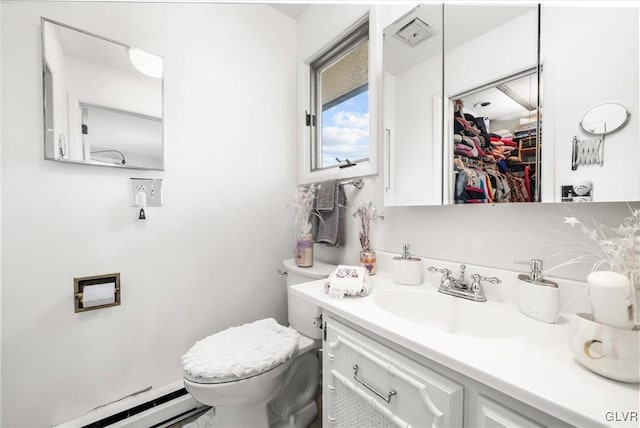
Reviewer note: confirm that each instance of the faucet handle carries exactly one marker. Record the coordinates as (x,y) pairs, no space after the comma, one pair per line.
(492,279)
(445,281)
(444,271)
(477,279)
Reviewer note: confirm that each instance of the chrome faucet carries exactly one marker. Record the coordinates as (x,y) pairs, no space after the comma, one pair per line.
(462,280)
(459,288)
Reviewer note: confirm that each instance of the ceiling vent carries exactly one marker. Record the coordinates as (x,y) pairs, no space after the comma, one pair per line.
(415,32)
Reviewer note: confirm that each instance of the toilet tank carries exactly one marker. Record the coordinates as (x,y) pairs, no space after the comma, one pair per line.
(305,316)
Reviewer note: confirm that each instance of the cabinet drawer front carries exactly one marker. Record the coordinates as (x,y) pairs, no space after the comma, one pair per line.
(492,414)
(396,390)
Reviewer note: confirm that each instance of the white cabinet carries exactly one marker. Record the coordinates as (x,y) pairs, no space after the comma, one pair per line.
(491,414)
(367,384)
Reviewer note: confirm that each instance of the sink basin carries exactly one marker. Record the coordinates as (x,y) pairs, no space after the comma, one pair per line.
(447,313)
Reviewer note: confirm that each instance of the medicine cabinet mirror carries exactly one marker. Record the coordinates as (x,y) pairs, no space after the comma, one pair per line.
(103,100)
(491,110)
(412,108)
(494,109)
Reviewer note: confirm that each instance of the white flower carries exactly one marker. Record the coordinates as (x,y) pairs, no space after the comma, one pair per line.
(367,212)
(303,203)
(619,247)
(572,221)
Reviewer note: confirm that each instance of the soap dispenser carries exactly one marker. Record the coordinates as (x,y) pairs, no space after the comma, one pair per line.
(538,298)
(407,270)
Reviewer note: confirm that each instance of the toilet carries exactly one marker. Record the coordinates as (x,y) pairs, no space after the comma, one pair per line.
(262,374)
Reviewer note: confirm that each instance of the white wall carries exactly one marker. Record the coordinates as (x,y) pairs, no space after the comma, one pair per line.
(416,171)
(321,24)
(203,262)
(1,185)
(583,68)
(496,54)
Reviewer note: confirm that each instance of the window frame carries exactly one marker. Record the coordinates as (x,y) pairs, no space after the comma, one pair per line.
(356,38)
(308,151)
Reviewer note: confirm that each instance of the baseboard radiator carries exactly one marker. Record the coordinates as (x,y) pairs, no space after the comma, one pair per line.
(155,408)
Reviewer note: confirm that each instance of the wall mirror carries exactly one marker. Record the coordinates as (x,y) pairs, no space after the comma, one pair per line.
(103,100)
(605,119)
(491,106)
(412,108)
(510,72)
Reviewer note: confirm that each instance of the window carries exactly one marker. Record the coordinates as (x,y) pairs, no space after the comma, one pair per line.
(339,111)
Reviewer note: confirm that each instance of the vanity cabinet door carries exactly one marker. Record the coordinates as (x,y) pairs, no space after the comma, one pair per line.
(491,414)
(369,385)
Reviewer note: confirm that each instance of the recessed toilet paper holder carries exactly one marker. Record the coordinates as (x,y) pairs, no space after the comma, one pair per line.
(105,281)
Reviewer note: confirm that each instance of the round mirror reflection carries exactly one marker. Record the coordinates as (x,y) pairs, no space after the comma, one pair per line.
(605,119)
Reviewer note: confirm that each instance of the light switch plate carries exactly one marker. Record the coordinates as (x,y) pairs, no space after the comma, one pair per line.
(151,186)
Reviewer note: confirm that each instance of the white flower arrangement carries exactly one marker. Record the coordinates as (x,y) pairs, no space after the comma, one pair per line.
(367,212)
(616,249)
(303,203)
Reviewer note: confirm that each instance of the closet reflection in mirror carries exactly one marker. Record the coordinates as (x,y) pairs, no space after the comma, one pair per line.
(102,100)
(495,142)
(491,89)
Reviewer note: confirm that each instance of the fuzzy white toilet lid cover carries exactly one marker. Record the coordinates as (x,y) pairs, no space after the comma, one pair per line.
(240,352)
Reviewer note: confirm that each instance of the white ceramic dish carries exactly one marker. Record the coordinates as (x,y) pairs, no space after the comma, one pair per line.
(611,352)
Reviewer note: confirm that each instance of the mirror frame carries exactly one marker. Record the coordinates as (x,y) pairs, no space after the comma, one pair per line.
(44,20)
(622,125)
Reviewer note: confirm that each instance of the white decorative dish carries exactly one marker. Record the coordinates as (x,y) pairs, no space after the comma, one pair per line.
(608,351)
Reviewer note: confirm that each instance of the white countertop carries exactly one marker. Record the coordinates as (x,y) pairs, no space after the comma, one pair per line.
(535,366)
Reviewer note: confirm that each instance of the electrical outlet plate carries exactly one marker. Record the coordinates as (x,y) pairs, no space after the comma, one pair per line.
(151,186)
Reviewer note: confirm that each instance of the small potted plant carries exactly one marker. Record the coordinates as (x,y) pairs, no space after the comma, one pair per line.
(367,213)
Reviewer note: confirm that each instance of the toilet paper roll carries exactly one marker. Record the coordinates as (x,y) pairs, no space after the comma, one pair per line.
(99,294)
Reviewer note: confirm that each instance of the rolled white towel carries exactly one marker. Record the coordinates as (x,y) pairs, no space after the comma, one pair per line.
(348,281)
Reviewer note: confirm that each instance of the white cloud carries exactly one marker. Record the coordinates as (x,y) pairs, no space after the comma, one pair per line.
(335,136)
(352,143)
(352,119)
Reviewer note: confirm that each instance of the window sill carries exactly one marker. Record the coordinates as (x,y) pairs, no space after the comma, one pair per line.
(361,169)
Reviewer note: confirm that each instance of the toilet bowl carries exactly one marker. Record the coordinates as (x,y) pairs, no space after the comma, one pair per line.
(262,374)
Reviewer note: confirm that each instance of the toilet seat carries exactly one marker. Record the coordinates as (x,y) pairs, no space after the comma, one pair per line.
(240,352)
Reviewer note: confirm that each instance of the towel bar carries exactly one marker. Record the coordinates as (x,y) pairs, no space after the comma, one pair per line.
(357,183)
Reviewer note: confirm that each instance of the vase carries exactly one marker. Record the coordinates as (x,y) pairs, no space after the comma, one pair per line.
(368,260)
(304,250)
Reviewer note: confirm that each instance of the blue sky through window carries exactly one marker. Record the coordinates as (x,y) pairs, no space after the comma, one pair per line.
(345,130)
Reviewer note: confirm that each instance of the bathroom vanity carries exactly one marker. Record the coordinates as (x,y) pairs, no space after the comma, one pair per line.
(410,356)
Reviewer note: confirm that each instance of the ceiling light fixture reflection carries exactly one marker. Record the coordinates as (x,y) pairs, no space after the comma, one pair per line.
(482,104)
(146,63)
